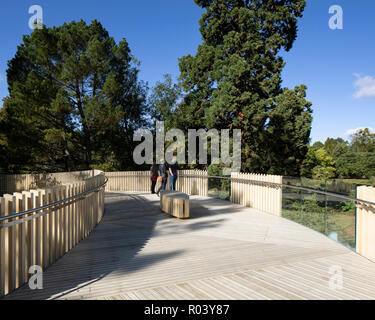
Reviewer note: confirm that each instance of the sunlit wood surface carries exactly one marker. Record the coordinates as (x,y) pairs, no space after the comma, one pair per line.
(224,251)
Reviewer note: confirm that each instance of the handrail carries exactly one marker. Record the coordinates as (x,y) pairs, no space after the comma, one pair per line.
(56,203)
(332,194)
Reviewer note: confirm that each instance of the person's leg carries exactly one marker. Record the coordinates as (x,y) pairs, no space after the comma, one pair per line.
(157,192)
(153,184)
(174,182)
(164,183)
(170,182)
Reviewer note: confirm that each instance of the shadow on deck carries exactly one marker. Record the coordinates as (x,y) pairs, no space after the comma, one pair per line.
(224,251)
(127,226)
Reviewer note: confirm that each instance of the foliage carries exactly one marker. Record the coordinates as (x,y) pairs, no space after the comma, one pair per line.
(3,142)
(234,81)
(356,164)
(351,160)
(220,184)
(363,141)
(340,149)
(318,164)
(347,206)
(75,99)
(318,145)
(164,99)
(334,147)
(323,173)
(338,217)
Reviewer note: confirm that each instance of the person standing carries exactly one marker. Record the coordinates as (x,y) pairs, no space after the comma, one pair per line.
(154,176)
(163,172)
(173,174)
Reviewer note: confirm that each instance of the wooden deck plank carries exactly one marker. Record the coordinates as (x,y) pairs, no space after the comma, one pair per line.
(224,251)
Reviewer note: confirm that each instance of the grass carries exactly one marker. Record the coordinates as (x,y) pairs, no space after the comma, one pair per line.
(365,182)
(338,217)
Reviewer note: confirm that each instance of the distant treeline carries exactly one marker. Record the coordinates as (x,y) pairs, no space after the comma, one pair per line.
(75,98)
(340,158)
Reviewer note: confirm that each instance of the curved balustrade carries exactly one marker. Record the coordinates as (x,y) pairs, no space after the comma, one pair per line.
(39,226)
(193,182)
(22,182)
(344,218)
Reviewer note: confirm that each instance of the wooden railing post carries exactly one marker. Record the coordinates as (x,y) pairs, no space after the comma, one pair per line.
(44,223)
(30,234)
(365,222)
(52,226)
(43,239)
(4,256)
(11,252)
(69,217)
(19,243)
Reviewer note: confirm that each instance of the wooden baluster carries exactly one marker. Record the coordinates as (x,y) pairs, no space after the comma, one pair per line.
(36,232)
(12,236)
(20,239)
(4,252)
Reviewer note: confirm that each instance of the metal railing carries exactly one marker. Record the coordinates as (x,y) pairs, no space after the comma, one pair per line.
(266,183)
(56,219)
(53,204)
(343,217)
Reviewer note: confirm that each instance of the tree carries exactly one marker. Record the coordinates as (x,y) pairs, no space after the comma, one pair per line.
(340,149)
(74,99)
(318,145)
(330,144)
(363,141)
(3,142)
(318,164)
(309,163)
(234,81)
(164,99)
(326,163)
(356,165)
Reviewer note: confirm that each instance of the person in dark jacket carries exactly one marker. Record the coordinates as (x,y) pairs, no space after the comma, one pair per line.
(154,176)
(163,172)
(173,175)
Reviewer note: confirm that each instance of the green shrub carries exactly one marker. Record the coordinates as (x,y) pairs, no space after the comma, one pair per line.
(347,206)
(356,164)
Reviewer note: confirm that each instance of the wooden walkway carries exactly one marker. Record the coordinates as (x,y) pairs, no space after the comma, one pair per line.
(224,251)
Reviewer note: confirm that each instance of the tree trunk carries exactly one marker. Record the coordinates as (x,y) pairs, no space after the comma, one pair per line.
(86,132)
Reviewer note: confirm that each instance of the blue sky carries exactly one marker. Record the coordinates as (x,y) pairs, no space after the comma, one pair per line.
(336,65)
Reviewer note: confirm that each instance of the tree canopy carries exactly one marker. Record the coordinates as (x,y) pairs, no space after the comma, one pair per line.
(234,82)
(363,140)
(338,157)
(74,100)
(356,164)
(318,164)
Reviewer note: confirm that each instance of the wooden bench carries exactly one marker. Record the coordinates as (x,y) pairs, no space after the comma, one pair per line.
(175,203)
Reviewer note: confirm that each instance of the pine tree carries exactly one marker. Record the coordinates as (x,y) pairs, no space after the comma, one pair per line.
(75,99)
(234,81)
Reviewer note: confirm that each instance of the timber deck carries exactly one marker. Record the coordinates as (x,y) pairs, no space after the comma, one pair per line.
(224,251)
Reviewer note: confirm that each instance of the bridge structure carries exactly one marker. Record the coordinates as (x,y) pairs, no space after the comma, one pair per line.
(125,247)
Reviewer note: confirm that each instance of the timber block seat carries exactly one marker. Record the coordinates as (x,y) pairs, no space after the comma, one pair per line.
(175,203)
